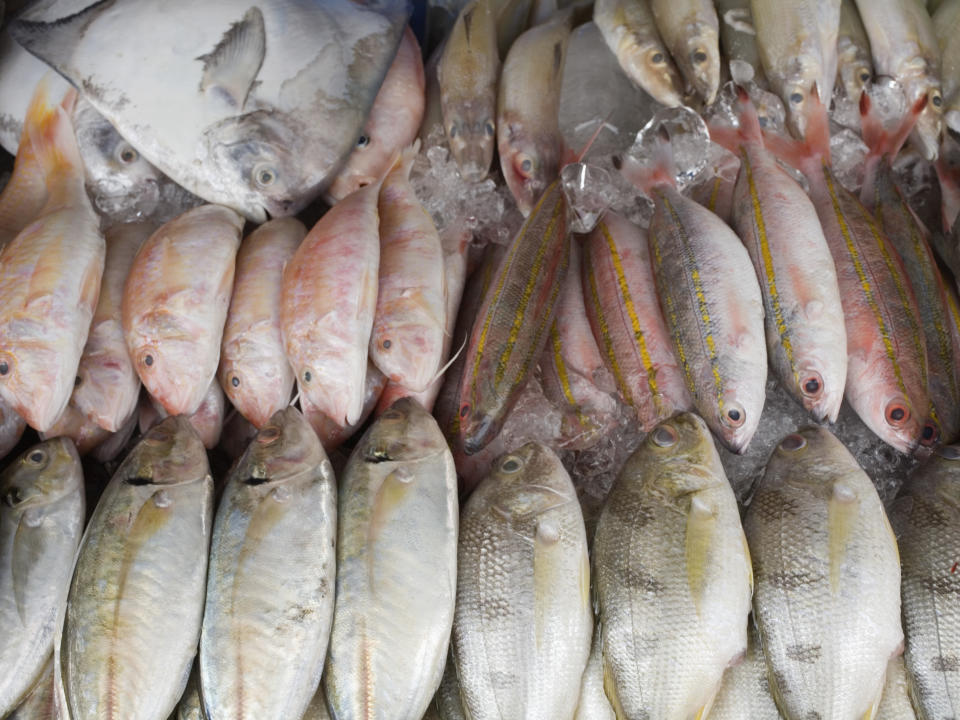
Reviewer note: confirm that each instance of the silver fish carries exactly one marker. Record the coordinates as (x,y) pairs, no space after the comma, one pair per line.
(745,692)
(895,703)
(691,30)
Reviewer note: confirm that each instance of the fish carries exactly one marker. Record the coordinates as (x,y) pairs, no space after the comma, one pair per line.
(406,341)
(672,576)
(738,41)
(254,371)
(396,569)
(513,322)
(513,18)
(624,313)
(333,434)
(11,428)
(854,61)
(895,704)
(173,316)
(904,47)
(467,72)
(239,110)
(392,124)
(107,385)
(81,430)
(711,303)
(593,703)
(206,420)
(523,623)
(431,131)
(49,276)
(528,132)
(329,295)
(137,594)
(691,31)
(803,315)
(40,704)
(271,577)
(745,691)
(108,450)
(926,516)
(827,579)
(41,521)
(629,30)
(886,353)
(946,28)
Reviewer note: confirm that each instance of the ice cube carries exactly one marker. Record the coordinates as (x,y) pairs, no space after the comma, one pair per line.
(689,142)
(589,192)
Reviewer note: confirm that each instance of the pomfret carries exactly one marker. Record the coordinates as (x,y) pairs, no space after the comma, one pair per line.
(827,598)
(523,622)
(41,521)
(40,704)
(396,569)
(255,109)
(270,584)
(173,315)
(254,371)
(136,599)
(691,30)
(672,576)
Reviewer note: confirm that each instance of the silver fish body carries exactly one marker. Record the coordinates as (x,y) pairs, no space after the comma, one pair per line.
(745,691)
(896,703)
(593,703)
(691,30)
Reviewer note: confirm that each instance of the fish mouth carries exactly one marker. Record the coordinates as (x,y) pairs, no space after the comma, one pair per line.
(481,432)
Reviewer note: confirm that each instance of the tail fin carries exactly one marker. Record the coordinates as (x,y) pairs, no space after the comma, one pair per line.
(660,170)
(48,125)
(880,140)
(749,130)
(816,145)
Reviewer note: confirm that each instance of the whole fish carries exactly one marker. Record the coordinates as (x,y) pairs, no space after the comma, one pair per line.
(136,599)
(691,30)
(512,325)
(41,520)
(927,518)
(827,579)
(409,323)
(672,576)
(711,304)
(946,27)
(333,434)
(745,691)
(328,302)
(738,41)
(11,428)
(854,62)
(467,73)
(270,583)
(803,316)
(624,313)
(40,704)
(255,109)
(904,47)
(528,130)
(49,276)
(630,32)
(392,123)
(173,315)
(206,420)
(521,635)
(254,371)
(396,569)
(593,703)
(107,385)
(895,704)
(886,353)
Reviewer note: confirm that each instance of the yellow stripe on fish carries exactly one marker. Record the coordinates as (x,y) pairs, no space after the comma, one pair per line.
(562,376)
(604,329)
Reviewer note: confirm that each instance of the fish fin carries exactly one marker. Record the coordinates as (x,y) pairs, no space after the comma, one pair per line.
(54,41)
(798,153)
(230,69)
(405,159)
(54,143)
(880,140)
(660,170)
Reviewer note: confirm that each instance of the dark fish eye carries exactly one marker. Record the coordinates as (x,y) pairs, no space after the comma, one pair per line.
(936,99)
(864,76)
(664,436)
(4,368)
(386,344)
(930,434)
(452,132)
(264,176)
(489,129)
(37,457)
(699,57)
(307,376)
(657,58)
(464,411)
(526,165)
(235,381)
(812,385)
(363,141)
(128,155)
(897,413)
(77,380)
(148,360)
(511,464)
(734,415)
(793,442)
(796,98)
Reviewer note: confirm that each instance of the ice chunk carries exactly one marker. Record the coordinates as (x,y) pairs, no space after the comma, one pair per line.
(847,153)
(589,192)
(689,142)
(888,102)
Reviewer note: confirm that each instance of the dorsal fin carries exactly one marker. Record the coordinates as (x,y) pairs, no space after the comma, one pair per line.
(230,69)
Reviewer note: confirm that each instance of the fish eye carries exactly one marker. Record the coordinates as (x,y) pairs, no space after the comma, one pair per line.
(264,175)
(307,376)
(699,57)
(897,413)
(392,414)
(452,130)
(657,58)
(77,381)
(363,141)
(235,381)
(664,436)
(511,464)
(796,98)
(733,415)
(489,129)
(930,434)
(812,385)
(936,99)
(386,344)
(464,411)
(268,435)
(793,442)
(525,166)
(864,76)
(147,359)
(127,154)
(37,457)
(4,368)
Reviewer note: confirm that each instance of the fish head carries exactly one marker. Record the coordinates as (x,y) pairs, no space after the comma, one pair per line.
(481,415)
(35,383)
(854,77)
(805,458)
(820,394)
(470,124)
(366,164)
(682,441)
(944,467)
(285,447)
(530,161)
(895,419)
(171,372)
(405,431)
(736,418)
(700,62)
(83,431)
(42,475)
(260,164)
(255,383)
(407,352)
(528,482)
(929,128)
(653,63)
(103,389)
(169,453)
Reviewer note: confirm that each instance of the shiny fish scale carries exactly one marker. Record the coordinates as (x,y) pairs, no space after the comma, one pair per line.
(927,519)
(896,703)
(745,691)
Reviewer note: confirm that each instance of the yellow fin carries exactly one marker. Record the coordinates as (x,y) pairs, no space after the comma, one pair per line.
(701,528)
(842,513)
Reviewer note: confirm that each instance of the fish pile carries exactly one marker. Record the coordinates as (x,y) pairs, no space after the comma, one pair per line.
(578,356)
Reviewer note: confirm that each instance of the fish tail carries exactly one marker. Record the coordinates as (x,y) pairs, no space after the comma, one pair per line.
(816,144)
(659,170)
(880,140)
(54,143)
(407,157)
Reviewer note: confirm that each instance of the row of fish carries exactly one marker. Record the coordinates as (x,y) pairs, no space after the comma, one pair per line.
(382,568)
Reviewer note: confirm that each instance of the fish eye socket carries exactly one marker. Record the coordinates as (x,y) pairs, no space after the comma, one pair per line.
(936,99)
(268,435)
(148,360)
(930,434)
(127,154)
(733,415)
(264,175)
(664,436)
(452,130)
(307,376)
(489,129)
(464,411)
(796,98)
(812,385)
(897,414)
(793,442)
(363,141)
(392,414)
(699,57)
(511,464)
(864,76)
(657,58)
(37,457)
(387,344)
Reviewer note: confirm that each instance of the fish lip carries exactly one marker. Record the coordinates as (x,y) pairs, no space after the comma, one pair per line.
(481,434)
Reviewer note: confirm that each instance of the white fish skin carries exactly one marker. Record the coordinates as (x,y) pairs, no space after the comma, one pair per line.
(593,703)
(271,577)
(523,623)
(895,703)
(255,109)
(854,62)
(41,520)
(40,704)
(946,26)
(136,599)
(396,569)
(745,692)
(691,30)
(827,600)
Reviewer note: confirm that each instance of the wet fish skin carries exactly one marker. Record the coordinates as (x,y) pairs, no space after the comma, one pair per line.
(394,599)
(81,430)
(333,434)
(745,691)
(691,30)
(269,602)
(206,420)
(512,325)
(895,704)
(467,72)
(173,316)
(523,622)
(254,371)
(136,598)
(593,703)
(946,27)
(393,121)
(824,556)
(40,704)
(672,576)
(854,62)
(11,428)
(630,32)
(528,103)
(926,516)
(738,42)
(41,520)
